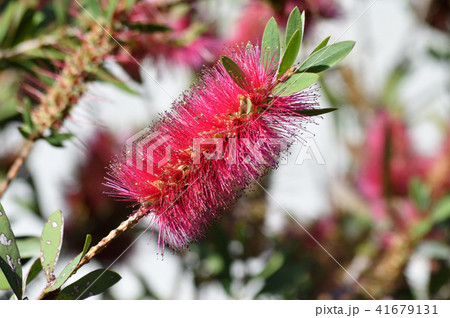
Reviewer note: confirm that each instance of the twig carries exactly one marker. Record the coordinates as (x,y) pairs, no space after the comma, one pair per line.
(27,46)
(94,250)
(14,169)
(125,225)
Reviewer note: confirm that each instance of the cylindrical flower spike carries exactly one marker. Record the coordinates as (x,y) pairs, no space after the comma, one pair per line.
(226,132)
(217,139)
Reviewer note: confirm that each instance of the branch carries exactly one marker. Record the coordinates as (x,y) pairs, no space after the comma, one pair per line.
(15,167)
(125,225)
(94,250)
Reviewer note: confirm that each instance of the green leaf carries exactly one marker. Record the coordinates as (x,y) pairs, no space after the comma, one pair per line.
(420,193)
(14,28)
(28,126)
(61,8)
(94,8)
(28,246)
(439,54)
(326,57)
(270,45)
(296,83)
(422,228)
(4,285)
(236,74)
(441,212)
(294,23)
(273,264)
(315,112)
(104,75)
(56,139)
(68,270)
(51,241)
(10,262)
(321,45)
(391,90)
(5,20)
(49,53)
(35,269)
(92,284)
(148,27)
(290,54)
(110,10)
(129,4)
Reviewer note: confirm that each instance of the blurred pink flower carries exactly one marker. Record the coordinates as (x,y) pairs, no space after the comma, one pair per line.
(256,13)
(251,23)
(389,165)
(191,41)
(390,162)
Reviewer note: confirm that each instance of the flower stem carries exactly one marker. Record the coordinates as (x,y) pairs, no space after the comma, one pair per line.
(125,225)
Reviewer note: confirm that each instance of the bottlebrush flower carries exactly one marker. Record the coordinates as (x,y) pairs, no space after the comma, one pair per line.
(227,131)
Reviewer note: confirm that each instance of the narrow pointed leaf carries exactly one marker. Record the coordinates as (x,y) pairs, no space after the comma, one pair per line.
(92,284)
(10,262)
(420,193)
(273,265)
(35,269)
(441,212)
(57,139)
(270,45)
(294,23)
(94,8)
(296,83)
(129,4)
(315,112)
(148,27)
(104,75)
(326,57)
(51,241)
(4,285)
(5,20)
(290,54)
(302,30)
(111,9)
(321,45)
(234,71)
(60,7)
(68,270)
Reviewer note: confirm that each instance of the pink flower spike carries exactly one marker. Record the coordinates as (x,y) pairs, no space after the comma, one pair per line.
(217,139)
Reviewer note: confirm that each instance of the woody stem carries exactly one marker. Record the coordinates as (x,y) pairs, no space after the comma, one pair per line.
(15,167)
(100,246)
(125,225)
